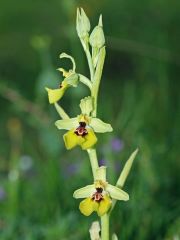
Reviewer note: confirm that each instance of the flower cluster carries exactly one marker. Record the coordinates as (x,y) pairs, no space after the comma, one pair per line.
(81,130)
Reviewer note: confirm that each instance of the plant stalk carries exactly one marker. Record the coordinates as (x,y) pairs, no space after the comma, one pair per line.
(105,227)
(89,58)
(93,160)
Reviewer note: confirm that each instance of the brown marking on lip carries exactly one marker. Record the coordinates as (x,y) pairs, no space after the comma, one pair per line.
(81,130)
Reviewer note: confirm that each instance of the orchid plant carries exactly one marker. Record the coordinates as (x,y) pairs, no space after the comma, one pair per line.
(100,196)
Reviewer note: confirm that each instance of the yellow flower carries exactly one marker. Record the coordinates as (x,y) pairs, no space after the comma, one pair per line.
(98,196)
(81,135)
(81,130)
(55,95)
(70,80)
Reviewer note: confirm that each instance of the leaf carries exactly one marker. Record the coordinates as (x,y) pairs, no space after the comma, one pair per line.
(126,169)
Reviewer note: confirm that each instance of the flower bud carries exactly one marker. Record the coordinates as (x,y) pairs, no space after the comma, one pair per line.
(97,39)
(82,23)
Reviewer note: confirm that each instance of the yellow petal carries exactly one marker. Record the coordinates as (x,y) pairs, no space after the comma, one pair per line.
(70,139)
(55,95)
(64,72)
(87,206)
(80,140)
(104,205)
(90,140)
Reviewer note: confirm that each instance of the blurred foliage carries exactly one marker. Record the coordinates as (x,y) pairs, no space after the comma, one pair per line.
(139,96)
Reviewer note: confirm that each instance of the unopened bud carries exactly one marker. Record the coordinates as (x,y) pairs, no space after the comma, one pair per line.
(82,23)
(97,38)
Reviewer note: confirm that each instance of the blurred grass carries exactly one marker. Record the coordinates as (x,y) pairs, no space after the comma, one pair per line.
(139,96)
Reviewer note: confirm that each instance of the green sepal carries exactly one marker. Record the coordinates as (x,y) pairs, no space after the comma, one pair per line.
(84,192)
(99,126)
(65,55)
(117,193)
(86,105)
(101,174)
(67,124)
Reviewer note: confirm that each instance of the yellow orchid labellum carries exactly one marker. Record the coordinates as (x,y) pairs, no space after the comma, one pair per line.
(70,80)
(81,130)
(98,196)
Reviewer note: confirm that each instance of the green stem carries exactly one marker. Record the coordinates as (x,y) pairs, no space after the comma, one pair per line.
(89,58)
(90,63)
(105,227)
(97,79)
(93,160)
(85,81)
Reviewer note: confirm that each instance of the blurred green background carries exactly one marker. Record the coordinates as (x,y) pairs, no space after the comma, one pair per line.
(139,96)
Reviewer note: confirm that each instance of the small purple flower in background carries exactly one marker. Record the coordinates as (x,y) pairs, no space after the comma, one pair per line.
(2,194)
(72,169)
(102,162)
(117,144)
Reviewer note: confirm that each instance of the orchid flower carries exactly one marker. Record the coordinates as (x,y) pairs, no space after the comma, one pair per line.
(81,128)
(98,196)
(70,80)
